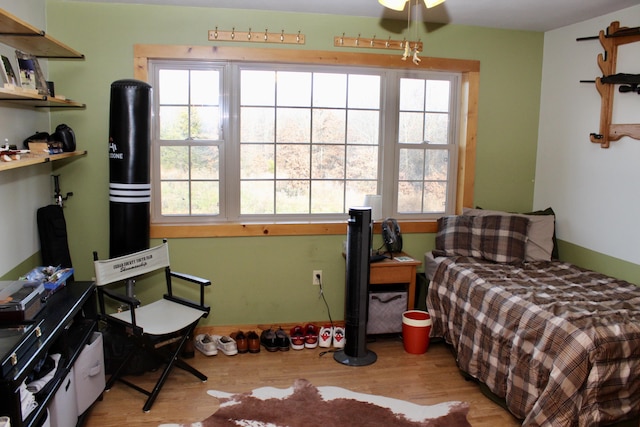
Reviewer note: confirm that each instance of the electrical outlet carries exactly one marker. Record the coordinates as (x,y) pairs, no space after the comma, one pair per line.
(317,277)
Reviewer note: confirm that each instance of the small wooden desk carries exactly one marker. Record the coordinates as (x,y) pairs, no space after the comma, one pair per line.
(392,271)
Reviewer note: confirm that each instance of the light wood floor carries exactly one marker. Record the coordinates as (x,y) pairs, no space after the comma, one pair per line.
(423,379)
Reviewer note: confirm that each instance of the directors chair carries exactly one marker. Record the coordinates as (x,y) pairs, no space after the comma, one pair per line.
(162,327)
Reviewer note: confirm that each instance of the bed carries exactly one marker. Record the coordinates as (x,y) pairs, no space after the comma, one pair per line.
(558,344)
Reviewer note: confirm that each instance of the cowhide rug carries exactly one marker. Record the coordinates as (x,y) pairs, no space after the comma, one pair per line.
(306,406)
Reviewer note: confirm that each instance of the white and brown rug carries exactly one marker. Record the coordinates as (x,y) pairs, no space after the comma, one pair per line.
(306,406)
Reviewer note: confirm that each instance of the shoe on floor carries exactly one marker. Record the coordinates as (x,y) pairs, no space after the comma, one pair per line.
(241,341)
(297,337)
(325,336)
(205,344)
(338,337)
(310,336)
(253,342)
(268,340)
(226,344)
(282,340)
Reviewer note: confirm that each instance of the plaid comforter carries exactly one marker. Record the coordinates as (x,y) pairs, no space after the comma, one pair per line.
(559,343)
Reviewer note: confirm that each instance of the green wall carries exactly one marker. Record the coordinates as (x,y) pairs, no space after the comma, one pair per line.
(267,280)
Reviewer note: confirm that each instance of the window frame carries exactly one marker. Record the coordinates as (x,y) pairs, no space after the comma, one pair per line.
(466,127)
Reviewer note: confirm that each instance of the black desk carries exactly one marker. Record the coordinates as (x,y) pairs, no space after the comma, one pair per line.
(63,326)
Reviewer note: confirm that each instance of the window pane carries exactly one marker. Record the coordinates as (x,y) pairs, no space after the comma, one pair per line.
(292,161)
(205,162)
(205,123)
(175,198)
(205,198)
(356,190)
(293,125)
(257,161)
(205,87)
(174,123)
(257,87)
(411,94)
(329,90)
(437,165)
(292,197)
(256,197)
(363,127)
(410,129)
(328,126)
(435,197)
(362,162)
(364,91)
(410,197)
(173,87)
(438,95)
(174,162)
(328,162)
(294,89)
(411,165)
(327,196)
(257,124)
(436,128)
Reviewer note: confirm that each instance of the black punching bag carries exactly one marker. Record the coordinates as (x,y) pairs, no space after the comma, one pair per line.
(129,170)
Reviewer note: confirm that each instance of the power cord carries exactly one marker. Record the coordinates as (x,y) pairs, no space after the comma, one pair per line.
(322,353)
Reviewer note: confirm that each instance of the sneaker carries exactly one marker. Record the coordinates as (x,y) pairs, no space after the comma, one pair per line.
(325,336)
(226,344)
(282,340)
(205,344)
(338,337)
(268,340)
(297,338)
(310,336)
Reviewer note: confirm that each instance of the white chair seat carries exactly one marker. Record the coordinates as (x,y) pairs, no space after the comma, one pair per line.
(161,317)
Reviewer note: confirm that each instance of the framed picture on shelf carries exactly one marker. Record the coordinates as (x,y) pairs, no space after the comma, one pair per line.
(31,76)
(8,75)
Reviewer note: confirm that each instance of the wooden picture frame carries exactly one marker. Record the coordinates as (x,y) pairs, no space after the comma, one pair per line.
(31,76)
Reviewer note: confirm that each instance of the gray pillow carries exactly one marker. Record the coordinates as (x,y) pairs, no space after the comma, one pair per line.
(539,245)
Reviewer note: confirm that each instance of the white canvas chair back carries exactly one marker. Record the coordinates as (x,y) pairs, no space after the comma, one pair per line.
(132,265)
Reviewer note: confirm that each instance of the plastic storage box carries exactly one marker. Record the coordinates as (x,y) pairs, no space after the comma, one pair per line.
(89,373)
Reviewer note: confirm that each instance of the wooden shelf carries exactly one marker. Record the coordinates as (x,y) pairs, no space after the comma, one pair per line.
(36,100)
(27,38)
(35,159)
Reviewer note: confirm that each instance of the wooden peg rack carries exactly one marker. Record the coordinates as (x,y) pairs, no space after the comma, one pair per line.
(610,41)
(256,36)
(374,43)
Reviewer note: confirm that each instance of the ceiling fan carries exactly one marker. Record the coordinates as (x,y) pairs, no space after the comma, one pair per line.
(399,4)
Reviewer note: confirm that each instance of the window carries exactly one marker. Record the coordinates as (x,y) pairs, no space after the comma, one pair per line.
(306,141)
(460,161)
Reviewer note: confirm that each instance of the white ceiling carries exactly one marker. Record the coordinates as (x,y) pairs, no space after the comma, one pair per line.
(533,15)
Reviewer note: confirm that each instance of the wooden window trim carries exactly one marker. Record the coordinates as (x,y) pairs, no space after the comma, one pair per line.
(470,70)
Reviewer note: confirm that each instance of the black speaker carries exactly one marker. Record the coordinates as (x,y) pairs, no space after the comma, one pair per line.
(355,352)
(129,167)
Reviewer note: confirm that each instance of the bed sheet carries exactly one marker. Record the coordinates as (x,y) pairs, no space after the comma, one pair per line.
(559,343)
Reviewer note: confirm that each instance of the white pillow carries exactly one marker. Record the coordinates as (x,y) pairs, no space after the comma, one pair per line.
(539,245)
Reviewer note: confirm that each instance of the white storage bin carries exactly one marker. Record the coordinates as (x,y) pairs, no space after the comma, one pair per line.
(89,373)
(63,410)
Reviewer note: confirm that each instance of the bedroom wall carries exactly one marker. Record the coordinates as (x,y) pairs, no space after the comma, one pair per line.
(267,279)
(22,191)
(592,190)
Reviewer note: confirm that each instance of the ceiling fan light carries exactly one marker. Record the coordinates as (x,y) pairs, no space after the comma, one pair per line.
(395,4)
(432,3)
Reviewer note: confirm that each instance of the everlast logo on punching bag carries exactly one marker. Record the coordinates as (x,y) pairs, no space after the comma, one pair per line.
(113,151)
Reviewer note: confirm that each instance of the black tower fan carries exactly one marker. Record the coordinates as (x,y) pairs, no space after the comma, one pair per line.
(355,351)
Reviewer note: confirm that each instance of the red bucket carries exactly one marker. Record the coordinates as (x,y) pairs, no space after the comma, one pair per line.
(416,327)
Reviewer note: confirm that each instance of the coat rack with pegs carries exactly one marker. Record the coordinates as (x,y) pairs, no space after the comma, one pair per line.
(256,36)
(375,43)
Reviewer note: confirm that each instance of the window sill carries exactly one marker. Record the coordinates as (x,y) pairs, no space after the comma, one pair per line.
(160,231)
